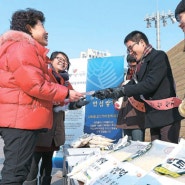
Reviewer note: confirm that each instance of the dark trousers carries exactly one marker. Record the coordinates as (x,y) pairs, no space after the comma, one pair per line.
(18,149)
(135,134)
(169,133)
(45,167)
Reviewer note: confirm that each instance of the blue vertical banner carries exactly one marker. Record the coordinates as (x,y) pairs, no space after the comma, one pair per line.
(100,115)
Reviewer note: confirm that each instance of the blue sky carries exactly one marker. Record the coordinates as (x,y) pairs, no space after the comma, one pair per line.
(76,25)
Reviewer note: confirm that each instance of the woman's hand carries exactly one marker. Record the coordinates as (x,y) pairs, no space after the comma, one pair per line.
(74,95)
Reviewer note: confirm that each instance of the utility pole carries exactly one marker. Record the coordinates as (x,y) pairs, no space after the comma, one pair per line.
(157,17)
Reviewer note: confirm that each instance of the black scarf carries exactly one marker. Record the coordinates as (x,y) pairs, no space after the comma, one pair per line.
(61,74)
(64,75)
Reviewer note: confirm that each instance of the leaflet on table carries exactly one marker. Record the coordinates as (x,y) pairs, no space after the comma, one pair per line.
(83,164)
(154,179)
(122,173)
(174,164)
(120,154)
(130,148)
(95,169)
(154,156)
(107,169)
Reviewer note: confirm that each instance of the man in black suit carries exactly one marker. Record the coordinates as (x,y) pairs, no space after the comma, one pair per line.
(154,82)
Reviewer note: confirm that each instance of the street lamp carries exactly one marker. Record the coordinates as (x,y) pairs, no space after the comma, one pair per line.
(157,18)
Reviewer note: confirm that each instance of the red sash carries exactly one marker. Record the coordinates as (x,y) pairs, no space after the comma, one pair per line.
(163,104)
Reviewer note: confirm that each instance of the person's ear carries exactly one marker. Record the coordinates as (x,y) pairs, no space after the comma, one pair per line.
(142,41)
(29,28)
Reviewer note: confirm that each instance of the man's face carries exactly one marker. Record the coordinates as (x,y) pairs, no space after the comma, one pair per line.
(181,19)
(136,49)
(132,65)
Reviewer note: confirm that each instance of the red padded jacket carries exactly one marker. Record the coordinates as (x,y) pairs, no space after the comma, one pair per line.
(27,92)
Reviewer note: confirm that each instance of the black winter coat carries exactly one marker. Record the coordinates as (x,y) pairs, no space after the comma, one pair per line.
(155,82)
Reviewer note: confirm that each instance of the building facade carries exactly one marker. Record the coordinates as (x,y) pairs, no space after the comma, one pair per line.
(92,53)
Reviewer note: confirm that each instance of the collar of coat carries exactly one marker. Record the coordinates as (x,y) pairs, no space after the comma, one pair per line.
(15,36)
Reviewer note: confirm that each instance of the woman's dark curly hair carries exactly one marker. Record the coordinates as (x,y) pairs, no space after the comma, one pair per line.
(54,55)
(21,18)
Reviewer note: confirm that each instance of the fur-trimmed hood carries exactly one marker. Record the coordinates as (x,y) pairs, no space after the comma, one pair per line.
(12,35)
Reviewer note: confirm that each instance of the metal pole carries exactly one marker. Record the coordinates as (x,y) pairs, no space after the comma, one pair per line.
(157,18)
(158,30)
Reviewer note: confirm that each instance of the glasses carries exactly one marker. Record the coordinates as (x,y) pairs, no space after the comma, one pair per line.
(130,48)
(60,59)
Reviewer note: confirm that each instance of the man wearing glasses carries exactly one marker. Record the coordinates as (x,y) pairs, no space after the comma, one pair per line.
(154,83)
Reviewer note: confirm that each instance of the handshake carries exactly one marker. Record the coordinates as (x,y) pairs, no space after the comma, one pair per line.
(113,93)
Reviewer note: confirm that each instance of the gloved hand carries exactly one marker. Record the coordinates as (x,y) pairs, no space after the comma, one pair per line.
(78,104)
(113,93)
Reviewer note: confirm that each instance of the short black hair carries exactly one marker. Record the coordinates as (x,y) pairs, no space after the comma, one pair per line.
(54,55)
(179,9)
(130,58)
(21,18)
(136,36)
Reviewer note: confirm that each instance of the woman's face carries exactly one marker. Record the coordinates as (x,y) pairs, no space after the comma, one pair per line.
(39,33)
(59,63)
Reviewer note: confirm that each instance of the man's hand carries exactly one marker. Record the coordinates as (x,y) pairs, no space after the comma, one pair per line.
(103,94)
(113,93)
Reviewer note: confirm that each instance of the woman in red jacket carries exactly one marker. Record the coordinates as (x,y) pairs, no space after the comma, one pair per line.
(51,141)
(27,92)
